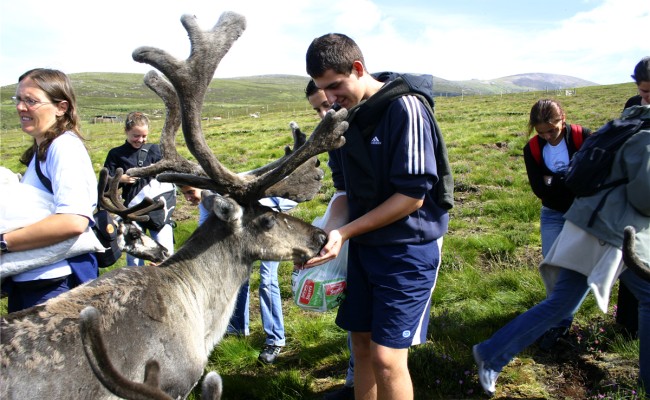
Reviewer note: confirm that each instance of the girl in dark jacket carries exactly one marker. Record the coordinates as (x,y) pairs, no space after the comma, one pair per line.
(547,157)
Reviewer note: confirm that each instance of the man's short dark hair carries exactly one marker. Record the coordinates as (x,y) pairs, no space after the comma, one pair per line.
(311,89)
(334,51)
(642,71)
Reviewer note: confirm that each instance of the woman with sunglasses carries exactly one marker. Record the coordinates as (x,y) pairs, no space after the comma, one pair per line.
(57,162)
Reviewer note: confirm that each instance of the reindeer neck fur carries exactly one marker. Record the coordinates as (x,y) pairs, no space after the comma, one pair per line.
(208,273)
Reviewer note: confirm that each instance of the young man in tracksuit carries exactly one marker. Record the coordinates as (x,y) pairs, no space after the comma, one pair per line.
(398,186)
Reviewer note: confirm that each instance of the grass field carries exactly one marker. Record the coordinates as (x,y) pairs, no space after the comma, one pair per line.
(489,261)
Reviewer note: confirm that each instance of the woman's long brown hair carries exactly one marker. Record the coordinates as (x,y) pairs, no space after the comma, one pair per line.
(58,88)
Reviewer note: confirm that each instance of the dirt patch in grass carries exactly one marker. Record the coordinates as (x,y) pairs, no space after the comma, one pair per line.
(568,372)
(184,210)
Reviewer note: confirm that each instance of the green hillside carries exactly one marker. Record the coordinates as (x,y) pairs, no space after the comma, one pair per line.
(116,94)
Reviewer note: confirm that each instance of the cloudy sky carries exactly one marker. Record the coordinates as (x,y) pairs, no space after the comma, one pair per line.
(596,40)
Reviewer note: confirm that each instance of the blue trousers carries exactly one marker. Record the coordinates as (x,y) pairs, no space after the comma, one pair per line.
(550,226)
(22,295)
(270,306)
(570,290)
(551,223)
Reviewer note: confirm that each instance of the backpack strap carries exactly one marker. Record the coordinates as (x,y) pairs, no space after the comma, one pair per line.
(535,150)
(142,153)
(576,135)
(44,179)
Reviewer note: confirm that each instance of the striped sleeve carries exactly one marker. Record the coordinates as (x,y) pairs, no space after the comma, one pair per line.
(415,135)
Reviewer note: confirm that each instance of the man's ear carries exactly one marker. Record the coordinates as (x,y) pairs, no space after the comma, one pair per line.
(359,68)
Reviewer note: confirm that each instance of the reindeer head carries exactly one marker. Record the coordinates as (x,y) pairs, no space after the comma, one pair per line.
(134,241)
(269,235)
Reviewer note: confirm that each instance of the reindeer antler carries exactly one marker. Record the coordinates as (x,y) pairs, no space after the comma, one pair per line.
(110,201)
(171,160)
(630,258)
(189,80)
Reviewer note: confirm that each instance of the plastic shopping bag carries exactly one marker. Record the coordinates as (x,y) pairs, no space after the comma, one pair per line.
(321,288)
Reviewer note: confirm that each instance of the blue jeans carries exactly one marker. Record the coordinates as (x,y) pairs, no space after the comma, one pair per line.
(567,296)
(238,324)
(270,306)
(551,223)
(550,226)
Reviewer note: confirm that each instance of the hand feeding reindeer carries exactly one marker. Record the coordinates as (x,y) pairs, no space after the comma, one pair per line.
(175,313)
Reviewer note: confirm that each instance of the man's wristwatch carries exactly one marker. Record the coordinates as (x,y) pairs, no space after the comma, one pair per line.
(3,244)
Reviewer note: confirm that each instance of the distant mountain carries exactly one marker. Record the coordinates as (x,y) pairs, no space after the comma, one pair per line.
(509,84)
(541,81)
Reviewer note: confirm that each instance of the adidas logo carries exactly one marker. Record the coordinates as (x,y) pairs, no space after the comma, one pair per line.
(375,141)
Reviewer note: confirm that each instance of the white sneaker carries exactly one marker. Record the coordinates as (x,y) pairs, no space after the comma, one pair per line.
(487,377)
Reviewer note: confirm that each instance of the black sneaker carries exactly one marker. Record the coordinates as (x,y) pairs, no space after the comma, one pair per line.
(269,353)
(345,393)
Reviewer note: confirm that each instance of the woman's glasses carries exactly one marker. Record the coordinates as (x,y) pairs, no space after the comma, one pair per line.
(29,102)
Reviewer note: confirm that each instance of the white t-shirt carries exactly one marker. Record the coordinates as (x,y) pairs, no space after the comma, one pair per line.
(74,184)
(556,157)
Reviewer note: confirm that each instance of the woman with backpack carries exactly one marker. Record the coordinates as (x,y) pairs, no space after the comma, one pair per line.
(58,163)
(547,156)
(587,255)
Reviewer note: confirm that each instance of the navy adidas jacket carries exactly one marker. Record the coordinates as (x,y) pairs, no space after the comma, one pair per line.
(401,150)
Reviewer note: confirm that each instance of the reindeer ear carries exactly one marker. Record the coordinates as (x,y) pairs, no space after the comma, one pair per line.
(207,199)
(226,209)
(212,386)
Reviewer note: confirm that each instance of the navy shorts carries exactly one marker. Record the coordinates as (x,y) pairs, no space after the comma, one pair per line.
(389,292)
(23,295)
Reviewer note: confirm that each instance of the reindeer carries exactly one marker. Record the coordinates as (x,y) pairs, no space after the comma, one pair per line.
(177,312)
